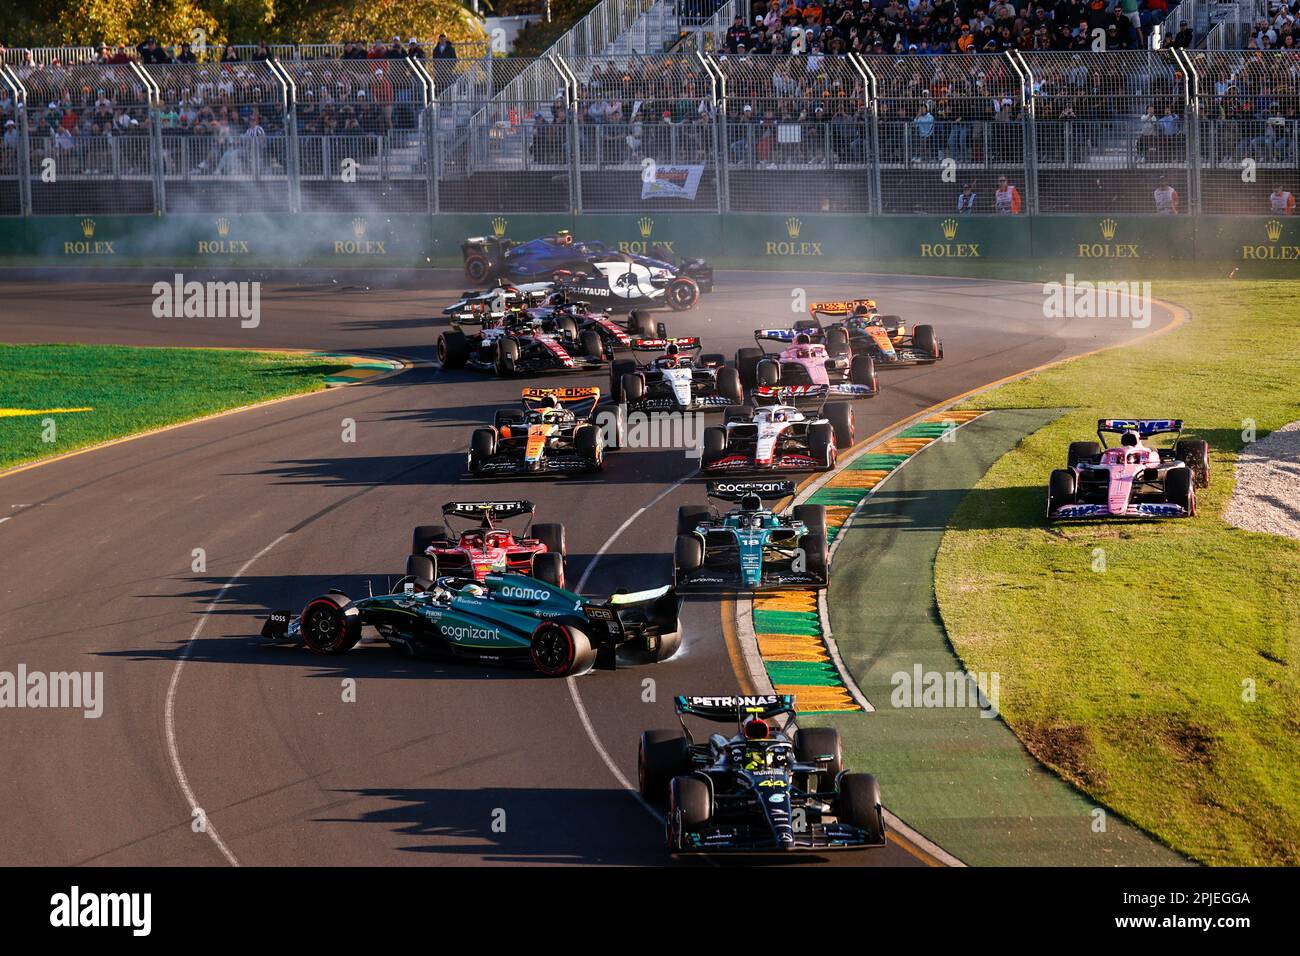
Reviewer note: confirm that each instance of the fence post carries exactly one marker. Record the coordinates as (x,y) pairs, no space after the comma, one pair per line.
(718,84)
(429,124)
(1029,123)
(871,133)
(23,156)
(158,160)
(292,155)
(570,80)
(1191,128)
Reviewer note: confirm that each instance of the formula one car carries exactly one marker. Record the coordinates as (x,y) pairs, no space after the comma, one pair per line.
(810,356)
(590,271)
(554,433)
(761,789)
(517,342)
(884,337)
(505,618)
(750,548)
(1131,479)
(678,379)
(548,304)
(484,547)
(777,434)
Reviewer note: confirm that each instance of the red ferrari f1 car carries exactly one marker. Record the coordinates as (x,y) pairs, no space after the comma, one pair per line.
(482,547)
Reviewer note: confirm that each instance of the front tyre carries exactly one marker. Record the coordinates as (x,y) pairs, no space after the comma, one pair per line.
(1180,489)
(682,294)
(561,650)
(326,629)
(549,567)
(661,755)
(1061,490)
(690,805)
(859,805)
(453,350)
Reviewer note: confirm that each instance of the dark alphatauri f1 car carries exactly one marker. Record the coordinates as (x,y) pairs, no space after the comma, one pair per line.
(750,548)
(554,433)
(590,271)
(677,379)
(1131,479)
(791,429)
(479,544)
(761,789)
(505,618)
(883,337)
(517,342)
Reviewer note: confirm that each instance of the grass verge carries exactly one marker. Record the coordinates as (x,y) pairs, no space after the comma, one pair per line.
(130,390)
(1155,665)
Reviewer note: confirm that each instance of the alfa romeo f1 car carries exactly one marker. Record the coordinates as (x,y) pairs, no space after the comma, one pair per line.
(883,337)
(778,434)
(546,303)
(808,356)
(505,618)
(761,789)
(590,271)
(677,379)
(750,548)
(482,546)
(516,342)
(1131,479)
(554,433)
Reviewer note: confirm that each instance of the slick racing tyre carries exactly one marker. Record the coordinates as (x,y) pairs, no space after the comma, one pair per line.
(813,517)
(423,570)
(477,267)
(689,518)
(326,629)
(837,341)
(821,444)
(561,650)
(549,567)
(690,805)
(1081,451)
(632,387)
(586,441)
(616,372)
(453,350)
(924,340)
(814,742)
(507,356)
(841,419)
(552,535)
(768,373)
(567,328)
(859,805)
(862,371)
(747,365)
(1180,489)
(728,384)
(688,554)
(593,346)
(1060,490)
(682,294)
(425,535)
(640,324)
(482,446)
(1195,453)
(662,755)
(715,445)
(814,556)
(737,413)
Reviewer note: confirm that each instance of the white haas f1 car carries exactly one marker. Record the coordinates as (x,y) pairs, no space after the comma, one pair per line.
(678,379)
(1131,479)
(778,434)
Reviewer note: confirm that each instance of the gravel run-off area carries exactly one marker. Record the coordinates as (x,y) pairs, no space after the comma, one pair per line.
(1267,495)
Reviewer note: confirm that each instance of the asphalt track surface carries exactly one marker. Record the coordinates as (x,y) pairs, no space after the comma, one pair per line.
(97,551)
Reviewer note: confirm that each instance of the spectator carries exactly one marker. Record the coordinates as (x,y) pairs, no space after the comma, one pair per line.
(1166,198)
(186,55)
(1006,199)
(966,201)
(1280,201)
(413,49)
(443,49)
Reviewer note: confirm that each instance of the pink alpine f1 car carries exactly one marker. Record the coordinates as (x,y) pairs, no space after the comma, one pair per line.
(1131,479)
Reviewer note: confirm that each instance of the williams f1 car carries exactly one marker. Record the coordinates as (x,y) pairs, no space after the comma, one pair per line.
(554,433)
(883,337)
(761,789)
(677,379)
(750,548)
(1131,479)
(505,618)
(589,271)
(777,434)
(483,546)
(808,356)
(516,342)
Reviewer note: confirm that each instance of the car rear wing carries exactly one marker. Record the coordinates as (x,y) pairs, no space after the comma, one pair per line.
(689,343)
(734,709)
(1145,427)
(812,330)
(736,490)
(579,393)
(845,307)
(488,510)
(799,396)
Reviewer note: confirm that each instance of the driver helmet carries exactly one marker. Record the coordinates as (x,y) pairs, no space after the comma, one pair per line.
(1129,439)
(861,309)
(779,415)
(671,353)
(474,589)
(802,339)
(564,237)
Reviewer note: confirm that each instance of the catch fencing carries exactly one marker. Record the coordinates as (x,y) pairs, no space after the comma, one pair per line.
(693,130)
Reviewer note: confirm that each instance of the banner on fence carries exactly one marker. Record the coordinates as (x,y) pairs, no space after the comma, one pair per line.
(672,182)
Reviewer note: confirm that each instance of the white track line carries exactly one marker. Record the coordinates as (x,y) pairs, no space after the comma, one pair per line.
(173,751)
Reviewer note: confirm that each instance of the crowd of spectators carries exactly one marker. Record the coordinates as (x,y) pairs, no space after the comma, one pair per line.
(1281,32)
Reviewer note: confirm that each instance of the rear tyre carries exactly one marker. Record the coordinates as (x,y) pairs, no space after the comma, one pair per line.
(689,518)
(814,556)
(453,350)
(859,805)
(924,340)
(661,755)
(551,535)
(747,365)
(841,419)
(814,742)
(567,328)
(728,383)
(549,567)
(593,346)
(425,535)
(682,294)
(325,629)
(1180,489)
(821,444)
(632,385)
(768,373)
(616,372)
(837,341)
(507,356)
(561,650)
(640,324)
(423,569)
(1060,490)
(477,267)
(813,517)
(690,805)
(862,371)
(1081,451)
(1195,453)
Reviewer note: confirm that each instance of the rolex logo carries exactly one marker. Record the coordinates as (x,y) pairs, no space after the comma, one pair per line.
(1108,227)
(223,227)
(498,227)
(358,227)
(1273,227)
(88,227)
(646,225)
(949,227)
(793,227)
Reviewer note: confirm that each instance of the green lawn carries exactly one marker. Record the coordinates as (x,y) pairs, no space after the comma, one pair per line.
(1132,681)
(132,390)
